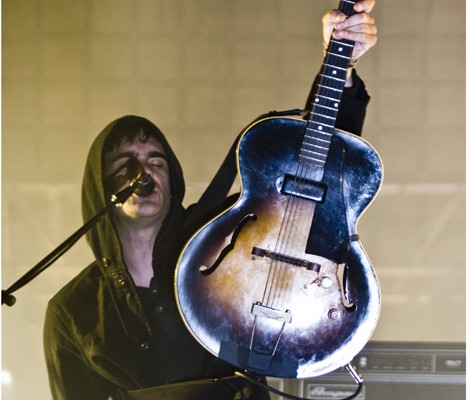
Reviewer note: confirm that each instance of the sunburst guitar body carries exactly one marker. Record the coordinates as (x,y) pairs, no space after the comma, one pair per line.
(279,283)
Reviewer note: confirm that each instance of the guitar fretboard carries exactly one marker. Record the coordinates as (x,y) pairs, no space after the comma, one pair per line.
(330,85)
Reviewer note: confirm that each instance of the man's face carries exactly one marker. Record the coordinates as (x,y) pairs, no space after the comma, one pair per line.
(151,155)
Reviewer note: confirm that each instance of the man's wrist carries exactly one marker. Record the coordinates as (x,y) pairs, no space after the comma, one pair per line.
(350,68)
(349,78)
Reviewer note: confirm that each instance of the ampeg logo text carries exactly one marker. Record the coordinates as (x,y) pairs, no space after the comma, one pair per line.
(332,391)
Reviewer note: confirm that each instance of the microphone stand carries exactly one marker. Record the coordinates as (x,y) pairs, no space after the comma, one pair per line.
(121,197)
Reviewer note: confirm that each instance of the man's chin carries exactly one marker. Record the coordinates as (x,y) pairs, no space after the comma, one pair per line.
(145,210)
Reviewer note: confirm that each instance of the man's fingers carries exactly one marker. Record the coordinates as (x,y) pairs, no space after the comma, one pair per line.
(356,19)
(365,39)
(364,6)
(332,17)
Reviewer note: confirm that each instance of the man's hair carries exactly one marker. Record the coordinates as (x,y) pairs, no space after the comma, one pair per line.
(130,128)
(127,129)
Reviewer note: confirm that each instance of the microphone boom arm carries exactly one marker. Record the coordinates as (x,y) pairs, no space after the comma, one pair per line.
(121,197)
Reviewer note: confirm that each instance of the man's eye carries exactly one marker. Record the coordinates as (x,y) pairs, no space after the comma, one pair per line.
(157,164)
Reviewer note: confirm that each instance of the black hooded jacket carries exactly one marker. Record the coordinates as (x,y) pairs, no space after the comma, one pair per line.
(101,332)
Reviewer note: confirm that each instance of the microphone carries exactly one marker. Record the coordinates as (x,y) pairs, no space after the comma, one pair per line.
(144,185)
(131,172)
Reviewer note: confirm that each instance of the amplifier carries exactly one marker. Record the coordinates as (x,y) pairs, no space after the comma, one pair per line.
(390,371)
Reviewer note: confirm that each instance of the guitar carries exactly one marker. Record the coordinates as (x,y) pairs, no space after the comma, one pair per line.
(279,283)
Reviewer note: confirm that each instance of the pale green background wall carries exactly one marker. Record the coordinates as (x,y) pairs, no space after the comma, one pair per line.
(202,69)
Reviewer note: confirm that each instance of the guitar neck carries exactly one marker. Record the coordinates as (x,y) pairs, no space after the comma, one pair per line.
(330,85)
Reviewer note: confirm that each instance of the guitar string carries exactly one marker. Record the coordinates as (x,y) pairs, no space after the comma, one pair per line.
(288,228)
(283,246)
(289,232)
(292,231)
(299,221)
(277,266)
(277,283)
(294,228)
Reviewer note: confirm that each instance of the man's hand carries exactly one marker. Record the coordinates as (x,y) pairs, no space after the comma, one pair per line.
(360,28)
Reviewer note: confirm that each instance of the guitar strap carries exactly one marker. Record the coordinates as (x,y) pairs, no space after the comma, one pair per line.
(218,190)
(220,186)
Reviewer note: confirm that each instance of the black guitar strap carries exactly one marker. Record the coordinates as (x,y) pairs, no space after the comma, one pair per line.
(218,190)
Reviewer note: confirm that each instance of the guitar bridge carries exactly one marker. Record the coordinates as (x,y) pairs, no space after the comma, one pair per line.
(297,262)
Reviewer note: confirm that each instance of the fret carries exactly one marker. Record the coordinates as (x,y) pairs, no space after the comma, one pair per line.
(342,69)
(311,161)
(320,146)
(325,101)
(340,63)
(312,141)
(328,80)
(339,55)
(318,135)
(334,75)
(324,120)
(323,117)
(323,144)
(331,84)
(327,110)
(318,158)
(332,80)
(314,147)
(320,162)
(339,52)
(332,89)
(319,127)
(323,96)
(324,114)
(342,43)
(324,124)
(315,132)
(315,154)
(324,108)
(310,146)
(339,48)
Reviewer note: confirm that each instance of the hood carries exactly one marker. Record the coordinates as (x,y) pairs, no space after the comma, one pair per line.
(103,238)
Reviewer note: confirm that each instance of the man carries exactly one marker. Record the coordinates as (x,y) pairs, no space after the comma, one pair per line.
(116,327)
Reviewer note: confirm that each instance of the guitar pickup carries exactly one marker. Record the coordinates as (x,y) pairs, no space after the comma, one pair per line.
(301,187)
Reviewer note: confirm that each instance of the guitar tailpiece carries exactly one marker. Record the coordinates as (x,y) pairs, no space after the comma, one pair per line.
(353,372)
